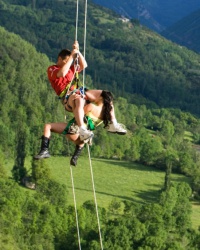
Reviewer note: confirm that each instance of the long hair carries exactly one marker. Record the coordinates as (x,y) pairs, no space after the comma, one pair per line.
(107,107)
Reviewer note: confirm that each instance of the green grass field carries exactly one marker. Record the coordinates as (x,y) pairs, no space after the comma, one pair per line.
(113,179)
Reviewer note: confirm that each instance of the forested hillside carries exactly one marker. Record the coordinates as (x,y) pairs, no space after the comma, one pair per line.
(129,59)
(143,64)
(27,102)
(156,15)
(163,138)
(186,32)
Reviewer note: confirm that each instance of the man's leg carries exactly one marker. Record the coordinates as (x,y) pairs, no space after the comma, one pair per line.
(48,128)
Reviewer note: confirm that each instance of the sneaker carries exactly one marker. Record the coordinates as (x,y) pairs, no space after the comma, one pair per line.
(85,134)
(43,154)
(117,128)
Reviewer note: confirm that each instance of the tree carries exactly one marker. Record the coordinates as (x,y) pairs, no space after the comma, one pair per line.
(3,173)
(167,130)
(19,171)
(170,159)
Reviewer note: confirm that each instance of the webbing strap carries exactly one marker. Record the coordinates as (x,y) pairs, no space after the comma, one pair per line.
(90,124)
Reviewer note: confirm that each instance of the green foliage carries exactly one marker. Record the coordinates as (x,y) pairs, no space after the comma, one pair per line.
(176,32)
(23,108)
(40,171)
(43,219)
(156,136)
(169,79)
(2,165)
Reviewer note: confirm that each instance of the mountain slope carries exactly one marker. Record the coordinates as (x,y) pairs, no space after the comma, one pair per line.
(26,98)
(155,14)
(126,58)
(186,32)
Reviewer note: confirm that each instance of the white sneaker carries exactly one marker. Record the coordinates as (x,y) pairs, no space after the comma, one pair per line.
(117,128)
(85,134)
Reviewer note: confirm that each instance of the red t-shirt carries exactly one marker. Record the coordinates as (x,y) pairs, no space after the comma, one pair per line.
(59,83)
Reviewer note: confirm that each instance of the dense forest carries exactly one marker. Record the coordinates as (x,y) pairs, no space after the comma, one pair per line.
(154,82)
(157,14)
(143,63)
(184,32)
(157,137)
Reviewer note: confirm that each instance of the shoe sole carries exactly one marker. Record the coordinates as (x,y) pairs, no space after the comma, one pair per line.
(119,133)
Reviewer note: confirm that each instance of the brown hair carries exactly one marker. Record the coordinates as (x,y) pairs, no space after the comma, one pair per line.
(107,107)
(63,53)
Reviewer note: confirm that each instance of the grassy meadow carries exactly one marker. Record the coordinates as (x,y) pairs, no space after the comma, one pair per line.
(113,179)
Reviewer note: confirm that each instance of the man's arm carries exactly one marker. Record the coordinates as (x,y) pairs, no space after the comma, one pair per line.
(81,59)
(65,68)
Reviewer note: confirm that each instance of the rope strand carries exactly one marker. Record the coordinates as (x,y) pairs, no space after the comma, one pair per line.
(76,33)
(95,199)
(84,48)
(75,208)
(91,171)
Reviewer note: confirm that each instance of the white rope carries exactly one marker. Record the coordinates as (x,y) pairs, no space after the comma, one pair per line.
(91,171)
(95,199)
(84,43)
(75,208)
(76,33)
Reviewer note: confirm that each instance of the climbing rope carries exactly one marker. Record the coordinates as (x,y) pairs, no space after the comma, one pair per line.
(95,199)
(71,171)
(76,32)
(75,208)
(91,170)
(84,43)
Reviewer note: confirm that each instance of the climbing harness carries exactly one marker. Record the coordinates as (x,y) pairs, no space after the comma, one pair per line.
(91,125)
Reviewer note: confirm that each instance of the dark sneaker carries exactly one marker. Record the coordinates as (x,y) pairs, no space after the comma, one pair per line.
(43,154)
(75,156)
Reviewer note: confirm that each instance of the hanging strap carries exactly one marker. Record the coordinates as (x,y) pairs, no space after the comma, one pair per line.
(90,124)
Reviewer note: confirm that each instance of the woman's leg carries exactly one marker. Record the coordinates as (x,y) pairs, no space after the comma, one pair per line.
(95,96)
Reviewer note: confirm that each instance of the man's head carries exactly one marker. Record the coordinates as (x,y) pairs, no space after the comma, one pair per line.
(63,56)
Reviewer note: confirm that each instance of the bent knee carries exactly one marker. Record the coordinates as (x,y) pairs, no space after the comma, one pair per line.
(47,126)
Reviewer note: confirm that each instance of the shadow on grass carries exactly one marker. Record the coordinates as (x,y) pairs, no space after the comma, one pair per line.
(180,178)
(149,195)
(127,164)
(108,194)
(144,196)
(196,203)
